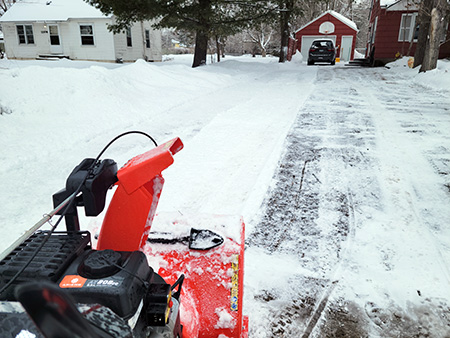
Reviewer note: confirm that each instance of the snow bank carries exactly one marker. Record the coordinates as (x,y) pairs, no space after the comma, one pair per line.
(438,78)
(234,117)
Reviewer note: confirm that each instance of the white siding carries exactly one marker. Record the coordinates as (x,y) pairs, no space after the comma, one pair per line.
(107,46)
(103,48)
(20,51)
(138,49)
(154,53)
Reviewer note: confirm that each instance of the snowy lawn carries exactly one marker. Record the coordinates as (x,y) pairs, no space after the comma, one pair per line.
(341,174)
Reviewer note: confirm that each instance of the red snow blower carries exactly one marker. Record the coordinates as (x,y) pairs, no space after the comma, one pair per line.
(183,282)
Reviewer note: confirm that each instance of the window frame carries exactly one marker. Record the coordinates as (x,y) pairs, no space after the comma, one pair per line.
(147,38)
(410,29)
(87,35)
(129,37)
(55,40)
(26,35)
(374,27)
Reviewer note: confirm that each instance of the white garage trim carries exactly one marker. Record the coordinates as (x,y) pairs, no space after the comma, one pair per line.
(307,41)
(346,47)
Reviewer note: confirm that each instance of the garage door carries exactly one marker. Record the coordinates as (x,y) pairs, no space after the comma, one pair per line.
(307,41)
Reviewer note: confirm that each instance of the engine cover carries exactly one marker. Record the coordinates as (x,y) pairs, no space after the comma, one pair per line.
(115,279)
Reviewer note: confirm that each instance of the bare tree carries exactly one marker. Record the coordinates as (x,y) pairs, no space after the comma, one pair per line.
(360,13)
(5,5)
(261,36)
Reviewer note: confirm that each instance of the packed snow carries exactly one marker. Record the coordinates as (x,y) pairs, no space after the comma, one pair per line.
(55,10)
(369,250)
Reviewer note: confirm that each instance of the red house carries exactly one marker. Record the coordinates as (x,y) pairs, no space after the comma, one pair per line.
(393,31)
(333,26)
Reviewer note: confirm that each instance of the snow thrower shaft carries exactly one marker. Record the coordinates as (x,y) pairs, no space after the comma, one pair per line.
(130,213)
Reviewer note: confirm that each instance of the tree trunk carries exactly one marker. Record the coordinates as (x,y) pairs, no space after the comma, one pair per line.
(222,50)
(218,48)
(423,19)
(202,33)
(285,15)
(436,32)
(201,48)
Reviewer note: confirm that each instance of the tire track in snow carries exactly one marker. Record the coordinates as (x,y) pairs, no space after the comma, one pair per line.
(305,215)
(406,198)
(336,149)
(410,122)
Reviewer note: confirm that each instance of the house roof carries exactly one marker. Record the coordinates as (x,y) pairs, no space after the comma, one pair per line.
(50,10)
(399,5)
(338,16)
(386,3)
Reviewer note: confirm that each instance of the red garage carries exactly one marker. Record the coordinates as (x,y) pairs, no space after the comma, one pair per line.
(333,26)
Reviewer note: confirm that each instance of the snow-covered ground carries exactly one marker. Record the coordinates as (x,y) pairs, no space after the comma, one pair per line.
(341,175)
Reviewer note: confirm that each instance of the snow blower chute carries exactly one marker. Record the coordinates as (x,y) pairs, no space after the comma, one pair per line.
(185,282)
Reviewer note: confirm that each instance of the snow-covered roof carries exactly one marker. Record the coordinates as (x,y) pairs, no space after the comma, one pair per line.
(338,16)
(399,5)
(50,10)
(386,3)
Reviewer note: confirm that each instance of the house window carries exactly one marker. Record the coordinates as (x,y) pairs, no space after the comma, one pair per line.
(444,34)
(54,35)
(407,27)
(147,38)
(25,34)
(87,35)
(129,41)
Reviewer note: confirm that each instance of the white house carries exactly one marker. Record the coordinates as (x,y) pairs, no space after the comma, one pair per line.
(76,30)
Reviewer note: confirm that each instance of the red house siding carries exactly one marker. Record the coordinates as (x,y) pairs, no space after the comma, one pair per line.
(386,44)
(341,29)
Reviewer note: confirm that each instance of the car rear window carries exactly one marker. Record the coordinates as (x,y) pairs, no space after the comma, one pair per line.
(319,44)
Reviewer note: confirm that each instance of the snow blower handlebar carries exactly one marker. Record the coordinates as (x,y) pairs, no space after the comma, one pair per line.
(93,185)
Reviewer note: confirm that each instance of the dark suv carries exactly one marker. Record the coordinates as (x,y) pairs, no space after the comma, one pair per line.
(322,51)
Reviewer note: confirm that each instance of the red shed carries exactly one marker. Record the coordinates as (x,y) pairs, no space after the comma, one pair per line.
(333,26)
(393,31)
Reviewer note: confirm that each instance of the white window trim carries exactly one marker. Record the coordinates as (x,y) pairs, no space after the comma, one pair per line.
(25,35)
(374,27)
(129,35)
(81,35)
(442,40)
(149,45)
(412,27)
